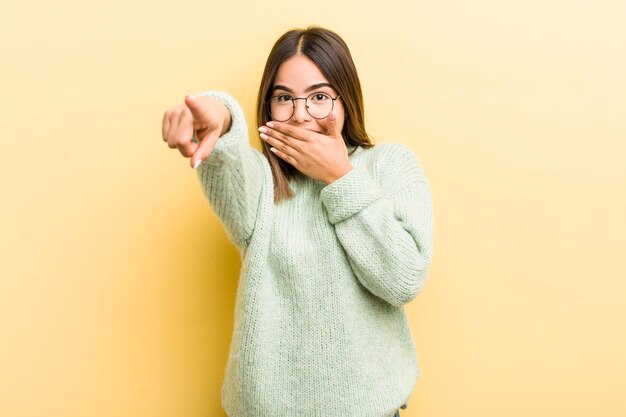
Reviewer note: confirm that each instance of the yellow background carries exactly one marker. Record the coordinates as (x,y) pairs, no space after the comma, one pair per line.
(117,281)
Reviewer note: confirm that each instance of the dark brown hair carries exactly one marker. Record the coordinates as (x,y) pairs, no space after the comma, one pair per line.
(331,54)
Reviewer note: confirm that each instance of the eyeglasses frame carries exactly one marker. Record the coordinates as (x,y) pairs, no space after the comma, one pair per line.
(293,105)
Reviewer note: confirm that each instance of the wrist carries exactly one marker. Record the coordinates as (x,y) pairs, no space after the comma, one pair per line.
(338,174)
(228,121)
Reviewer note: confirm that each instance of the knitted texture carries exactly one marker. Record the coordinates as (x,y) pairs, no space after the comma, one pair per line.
(319,324)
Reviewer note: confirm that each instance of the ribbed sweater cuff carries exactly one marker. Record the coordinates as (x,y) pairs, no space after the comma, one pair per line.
(349,194)
(226,145)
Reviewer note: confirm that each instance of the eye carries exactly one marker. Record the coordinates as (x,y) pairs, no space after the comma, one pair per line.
(282,98)
(319,97)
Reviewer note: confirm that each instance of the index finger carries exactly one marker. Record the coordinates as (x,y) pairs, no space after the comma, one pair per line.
(204,148)
(298,133)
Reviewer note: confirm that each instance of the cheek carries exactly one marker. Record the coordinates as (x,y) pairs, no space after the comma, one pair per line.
(340,120)
(341,115)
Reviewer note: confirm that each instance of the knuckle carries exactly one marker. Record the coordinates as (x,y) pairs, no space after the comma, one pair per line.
(175,140)
(175,111)
(172,110)
(185,151)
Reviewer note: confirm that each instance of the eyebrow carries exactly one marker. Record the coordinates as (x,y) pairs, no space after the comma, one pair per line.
(311,88)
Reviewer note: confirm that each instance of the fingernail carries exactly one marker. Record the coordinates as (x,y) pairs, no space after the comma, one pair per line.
(263,129)
(197,163)
(263,136)
(269,124)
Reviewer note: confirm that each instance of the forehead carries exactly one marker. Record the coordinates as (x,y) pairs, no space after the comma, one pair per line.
(298,73)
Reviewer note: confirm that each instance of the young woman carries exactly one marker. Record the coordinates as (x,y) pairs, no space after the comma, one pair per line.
(335,236)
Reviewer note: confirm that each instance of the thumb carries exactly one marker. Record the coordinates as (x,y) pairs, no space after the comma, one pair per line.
(197,111)
(332,127)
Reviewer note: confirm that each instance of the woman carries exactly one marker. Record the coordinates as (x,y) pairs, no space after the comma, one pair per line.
(335,236)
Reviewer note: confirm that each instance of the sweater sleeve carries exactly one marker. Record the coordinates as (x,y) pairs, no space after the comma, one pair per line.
(387,236)
(232,176)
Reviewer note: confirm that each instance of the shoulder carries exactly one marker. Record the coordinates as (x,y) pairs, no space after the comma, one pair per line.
(396,163)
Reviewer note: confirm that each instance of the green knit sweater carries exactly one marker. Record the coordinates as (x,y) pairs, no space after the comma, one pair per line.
(319,324)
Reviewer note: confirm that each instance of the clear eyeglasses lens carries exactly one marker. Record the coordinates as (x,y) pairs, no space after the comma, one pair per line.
(318,105)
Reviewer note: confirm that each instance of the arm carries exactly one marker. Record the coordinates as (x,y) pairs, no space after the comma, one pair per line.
(232,176)
(387,236)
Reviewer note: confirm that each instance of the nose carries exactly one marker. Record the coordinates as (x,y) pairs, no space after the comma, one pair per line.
(300,113)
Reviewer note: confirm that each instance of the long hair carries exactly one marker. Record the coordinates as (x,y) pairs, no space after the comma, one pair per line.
(331,54)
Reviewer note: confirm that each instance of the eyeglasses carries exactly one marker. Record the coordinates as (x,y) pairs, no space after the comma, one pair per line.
(318,105)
